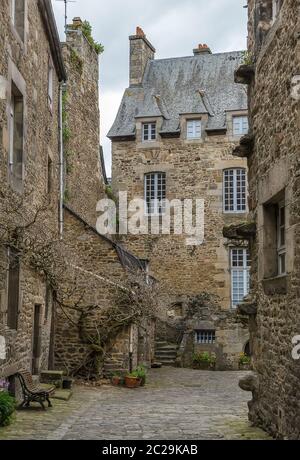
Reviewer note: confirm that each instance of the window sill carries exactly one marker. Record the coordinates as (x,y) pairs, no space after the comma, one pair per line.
(276,285)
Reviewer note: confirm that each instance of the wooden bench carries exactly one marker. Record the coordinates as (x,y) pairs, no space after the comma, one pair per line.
(32,392)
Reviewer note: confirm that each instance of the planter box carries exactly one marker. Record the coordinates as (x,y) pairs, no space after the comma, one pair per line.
(132,382)
(204,366)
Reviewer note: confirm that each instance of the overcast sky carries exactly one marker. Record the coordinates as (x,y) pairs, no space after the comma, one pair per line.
(174,27)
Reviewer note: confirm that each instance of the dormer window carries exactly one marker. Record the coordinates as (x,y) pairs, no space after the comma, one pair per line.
(193,129)
(240,125)
(149,132)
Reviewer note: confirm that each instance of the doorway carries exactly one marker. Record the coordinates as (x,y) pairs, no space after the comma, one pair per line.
(36,347)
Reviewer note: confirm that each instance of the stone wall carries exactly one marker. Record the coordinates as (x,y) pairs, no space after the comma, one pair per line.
(193,170)
(274,172)
(20,63)
(84,184)
(97,272)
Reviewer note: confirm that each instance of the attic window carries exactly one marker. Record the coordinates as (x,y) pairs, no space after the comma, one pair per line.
(193,129)
(149,132)
(240,125)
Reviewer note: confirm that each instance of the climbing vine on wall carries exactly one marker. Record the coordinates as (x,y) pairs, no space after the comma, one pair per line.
(87,31)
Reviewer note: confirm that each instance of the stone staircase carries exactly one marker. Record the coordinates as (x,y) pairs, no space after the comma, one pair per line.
(165,353)
(114,364)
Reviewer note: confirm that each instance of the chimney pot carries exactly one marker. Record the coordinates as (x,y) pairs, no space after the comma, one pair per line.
(140,32)
(202,49)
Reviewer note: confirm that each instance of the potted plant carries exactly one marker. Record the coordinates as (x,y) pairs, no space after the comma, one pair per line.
(204,361)
(116,379)
(132,380)
(244,362)
(141,373)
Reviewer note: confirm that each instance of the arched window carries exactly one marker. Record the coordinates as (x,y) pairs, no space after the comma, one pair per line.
(235,190)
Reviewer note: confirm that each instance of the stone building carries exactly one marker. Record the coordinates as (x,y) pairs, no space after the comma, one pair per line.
(177,124)
(51,181)
(29,176)
(96,265)
(272,148)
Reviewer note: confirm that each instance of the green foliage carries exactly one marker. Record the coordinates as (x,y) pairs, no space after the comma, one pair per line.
(7,408)
(76,60)
(244,359)
(66,196)
(247,58)
(139,373)
(204,357)
(87,31)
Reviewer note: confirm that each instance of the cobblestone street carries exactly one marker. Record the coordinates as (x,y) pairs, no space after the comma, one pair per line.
(178,404)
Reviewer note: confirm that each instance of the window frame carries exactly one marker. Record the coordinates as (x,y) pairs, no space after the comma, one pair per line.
(227,193)
(210,335)
(149,125)
(245,270)
(50,83)
(193,121)
(158,210)
(241,132)
(14,17)
(281,247)
(14,95)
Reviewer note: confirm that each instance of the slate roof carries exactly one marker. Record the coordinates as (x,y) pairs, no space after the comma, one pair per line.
(189,85)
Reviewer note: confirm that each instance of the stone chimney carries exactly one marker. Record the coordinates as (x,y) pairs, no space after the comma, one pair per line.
(77,23)
(202,49)
(141,51)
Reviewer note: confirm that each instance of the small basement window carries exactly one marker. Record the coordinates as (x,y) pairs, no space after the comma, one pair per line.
(149,132)
(205,337)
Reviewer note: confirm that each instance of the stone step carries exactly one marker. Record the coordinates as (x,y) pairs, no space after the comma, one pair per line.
(168,363)
(161,344)
(166,351)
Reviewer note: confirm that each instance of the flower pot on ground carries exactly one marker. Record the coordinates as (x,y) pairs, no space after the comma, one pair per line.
(67,383)
(116,380)
(140,372)
(131,381)
(204,361)
(244,362)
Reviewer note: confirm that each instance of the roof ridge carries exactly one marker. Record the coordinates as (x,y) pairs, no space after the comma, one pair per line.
(196,57)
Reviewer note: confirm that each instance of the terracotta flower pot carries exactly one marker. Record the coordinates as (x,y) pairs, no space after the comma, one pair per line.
(116,381)
(132,382)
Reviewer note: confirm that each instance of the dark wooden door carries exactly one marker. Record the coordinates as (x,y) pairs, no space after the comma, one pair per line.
(36,350)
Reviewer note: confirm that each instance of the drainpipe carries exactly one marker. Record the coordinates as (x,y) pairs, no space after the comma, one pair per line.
(61,161)
(131,349)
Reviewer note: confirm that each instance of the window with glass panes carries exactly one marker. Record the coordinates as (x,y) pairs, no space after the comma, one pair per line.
(205,337)
(240,125)
(149,132)
(193,129)
(281,247)
(155,193)
(240,275)
(235,190)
